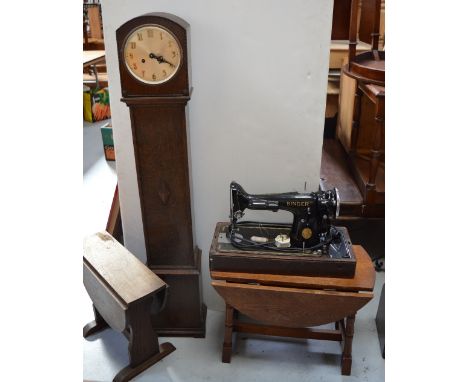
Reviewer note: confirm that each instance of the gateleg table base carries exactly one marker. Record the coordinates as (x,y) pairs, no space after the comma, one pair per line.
(343,333)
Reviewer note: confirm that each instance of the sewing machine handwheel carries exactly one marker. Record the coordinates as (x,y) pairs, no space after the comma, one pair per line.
(337,213)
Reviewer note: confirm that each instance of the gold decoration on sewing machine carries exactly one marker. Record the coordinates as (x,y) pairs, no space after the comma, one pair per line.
(306,233)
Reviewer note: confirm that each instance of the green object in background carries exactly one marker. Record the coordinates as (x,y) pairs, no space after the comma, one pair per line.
(108,141)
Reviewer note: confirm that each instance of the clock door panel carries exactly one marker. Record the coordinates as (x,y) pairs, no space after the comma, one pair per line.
(160,143)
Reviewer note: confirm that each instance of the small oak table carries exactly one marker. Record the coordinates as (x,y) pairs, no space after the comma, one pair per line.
(124,294)
(290,305)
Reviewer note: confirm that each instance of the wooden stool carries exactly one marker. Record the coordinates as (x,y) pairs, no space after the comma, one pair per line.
(290,305)
(124,293)
(367,67)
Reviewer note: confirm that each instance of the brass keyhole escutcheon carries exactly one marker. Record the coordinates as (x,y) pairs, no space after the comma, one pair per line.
(306,233)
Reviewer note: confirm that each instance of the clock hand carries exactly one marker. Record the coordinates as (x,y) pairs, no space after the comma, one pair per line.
(160,59)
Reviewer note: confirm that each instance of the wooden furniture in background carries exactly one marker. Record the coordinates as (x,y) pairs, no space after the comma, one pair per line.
(93,57)
(94,61)
(368,70)
(341,20)
(124,292)
(85,33)
(380,321)
(95,23)
(339,48)
(114,221)
(338,58)
(367,31)
(93,38)
(290,305)
(354,161)
(335,172)
(366,16)
(367,165)
(158,121)
(368,67)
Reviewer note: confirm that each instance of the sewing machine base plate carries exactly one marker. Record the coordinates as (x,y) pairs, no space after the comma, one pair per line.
(225,257)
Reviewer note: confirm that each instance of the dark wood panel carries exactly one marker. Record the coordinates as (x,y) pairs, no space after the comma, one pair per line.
(160,142)
(362,165)
(380,321)
(316,334)
(114,221)
(290,307)
(340,23)
(368,233)
(184,313)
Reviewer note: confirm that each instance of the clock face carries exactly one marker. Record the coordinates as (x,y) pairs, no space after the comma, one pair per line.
(152,54)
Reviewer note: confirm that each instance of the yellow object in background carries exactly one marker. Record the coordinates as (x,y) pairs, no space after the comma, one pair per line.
(87,113)
(96,105)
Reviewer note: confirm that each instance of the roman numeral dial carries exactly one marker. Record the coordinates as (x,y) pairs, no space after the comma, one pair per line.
(152,49)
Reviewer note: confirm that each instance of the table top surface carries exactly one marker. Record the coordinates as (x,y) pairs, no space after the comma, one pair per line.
(363,280)
(119,269)
(91,57)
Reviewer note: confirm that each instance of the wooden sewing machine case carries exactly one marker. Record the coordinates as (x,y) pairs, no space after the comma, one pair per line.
(224,257)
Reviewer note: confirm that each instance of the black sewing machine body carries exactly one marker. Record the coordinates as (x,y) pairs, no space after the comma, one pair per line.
(313,212)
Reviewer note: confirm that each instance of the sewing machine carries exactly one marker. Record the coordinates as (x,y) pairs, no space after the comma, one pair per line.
(313,212)
(311,245)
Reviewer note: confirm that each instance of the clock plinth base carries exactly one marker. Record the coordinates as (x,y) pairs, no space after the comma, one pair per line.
(195,332)
(184,313)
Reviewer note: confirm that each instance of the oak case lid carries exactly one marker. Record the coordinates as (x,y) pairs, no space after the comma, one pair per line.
(119,269)
(179,84)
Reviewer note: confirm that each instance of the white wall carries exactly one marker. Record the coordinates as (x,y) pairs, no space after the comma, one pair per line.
(259,73)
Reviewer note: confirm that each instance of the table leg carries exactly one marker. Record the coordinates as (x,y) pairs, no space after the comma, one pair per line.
(377,145)
(95,326)
(356,120)
(227,345)
(346,358)
(143,346)
(143,340)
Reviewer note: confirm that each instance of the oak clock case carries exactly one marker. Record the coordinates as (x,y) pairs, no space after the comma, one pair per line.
(157,92)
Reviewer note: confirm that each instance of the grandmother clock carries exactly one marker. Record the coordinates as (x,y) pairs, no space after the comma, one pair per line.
(155,77)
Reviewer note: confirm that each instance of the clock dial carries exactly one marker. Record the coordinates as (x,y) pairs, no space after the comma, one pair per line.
(152,54)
